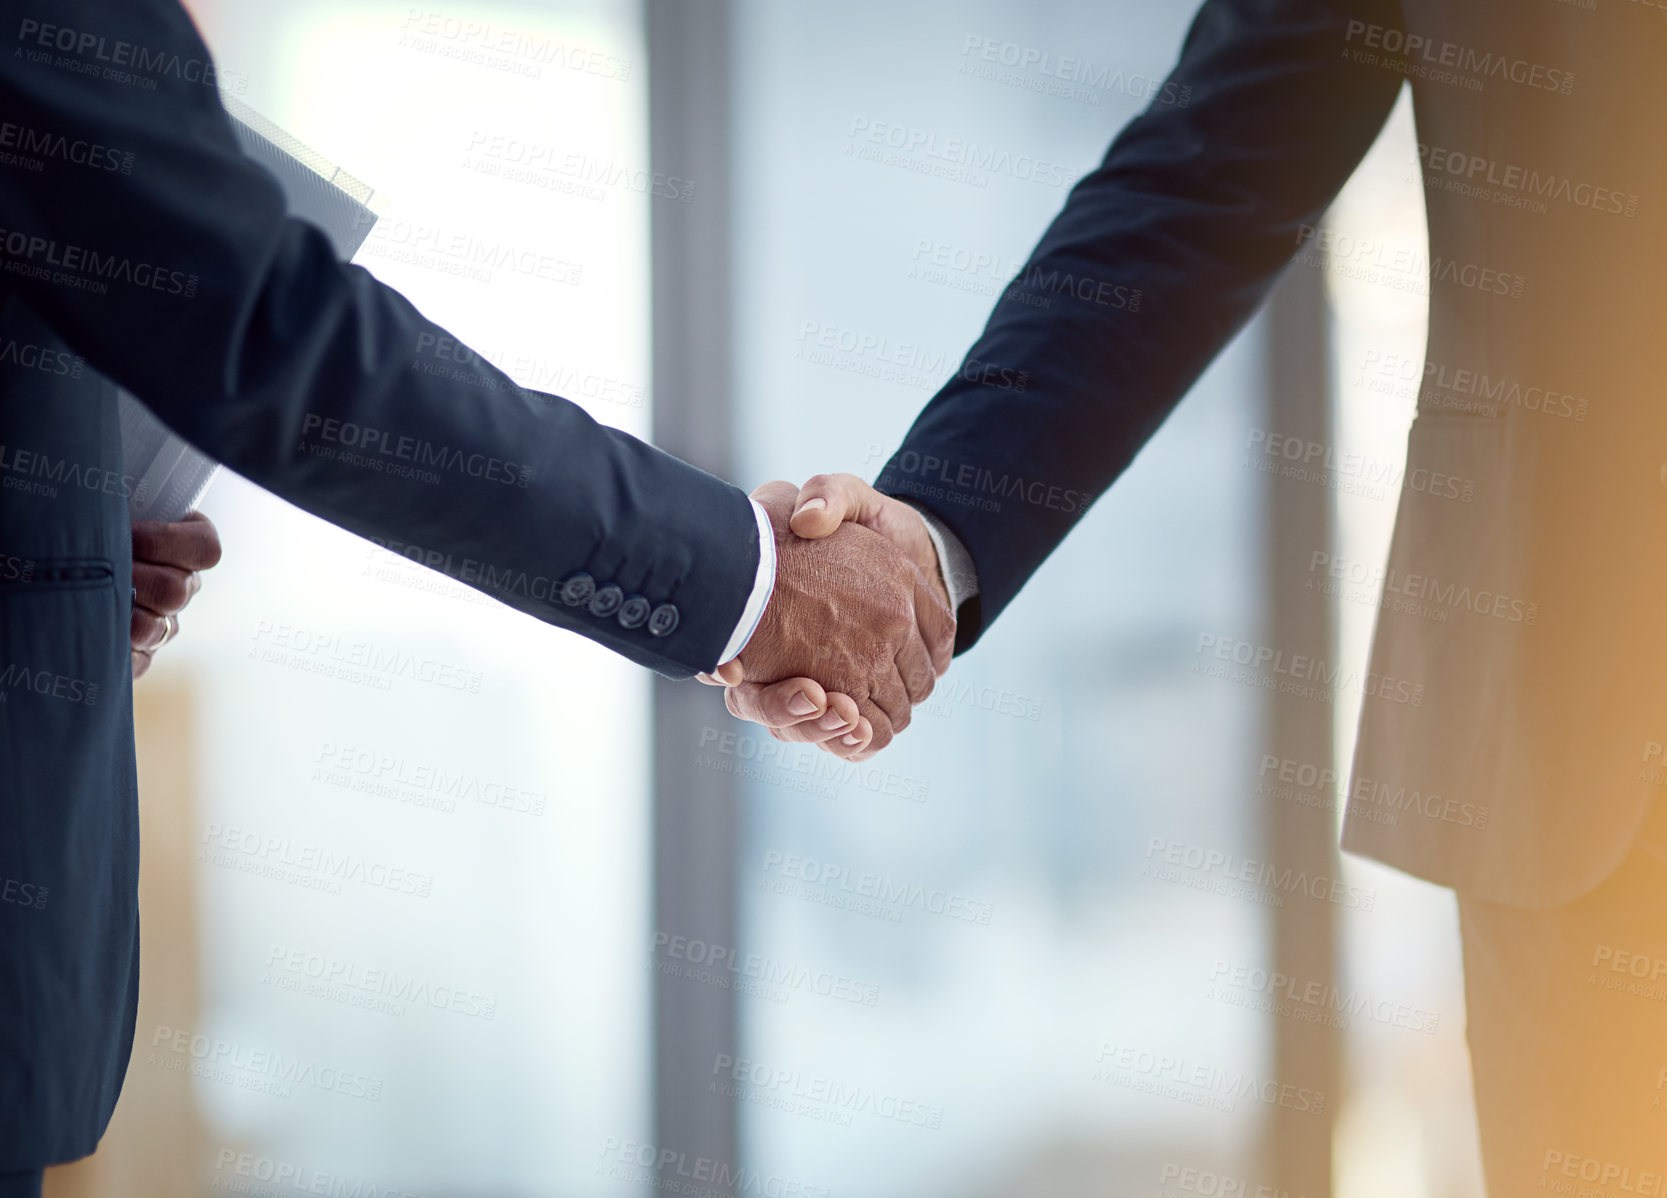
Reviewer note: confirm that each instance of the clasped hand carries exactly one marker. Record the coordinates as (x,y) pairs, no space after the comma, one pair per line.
(858,628)
(167,558)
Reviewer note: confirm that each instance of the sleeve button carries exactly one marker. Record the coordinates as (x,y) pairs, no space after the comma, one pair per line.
(606,601)
(578,589)
(663,621)
(633,613)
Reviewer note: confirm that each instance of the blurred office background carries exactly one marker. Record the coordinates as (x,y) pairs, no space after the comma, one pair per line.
(594,937)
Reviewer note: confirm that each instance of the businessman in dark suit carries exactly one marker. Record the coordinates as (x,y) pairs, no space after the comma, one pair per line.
(1545,187)
(140,248)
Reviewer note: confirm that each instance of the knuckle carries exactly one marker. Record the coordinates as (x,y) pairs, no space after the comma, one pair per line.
(173,593)
(779,696)
(211,551)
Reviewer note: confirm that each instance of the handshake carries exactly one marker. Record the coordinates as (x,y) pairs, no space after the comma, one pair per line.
(856,631)
(858,628)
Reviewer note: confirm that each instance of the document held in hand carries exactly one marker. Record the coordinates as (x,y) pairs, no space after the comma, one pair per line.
(170,475)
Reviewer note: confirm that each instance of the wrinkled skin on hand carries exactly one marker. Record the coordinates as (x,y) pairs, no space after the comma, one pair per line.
(847,611)
(799,709)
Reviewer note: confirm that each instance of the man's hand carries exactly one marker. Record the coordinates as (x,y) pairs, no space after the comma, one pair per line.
(828,500)
(817,712)
(166,558)
(856,614)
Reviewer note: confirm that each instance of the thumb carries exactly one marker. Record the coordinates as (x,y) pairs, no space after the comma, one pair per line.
(828,500)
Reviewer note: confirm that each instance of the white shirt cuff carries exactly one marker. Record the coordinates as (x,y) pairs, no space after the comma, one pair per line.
(960,576)
(763,585)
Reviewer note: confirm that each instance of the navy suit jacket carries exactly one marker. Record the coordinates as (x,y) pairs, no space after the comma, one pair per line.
(1158,258)
(139,246)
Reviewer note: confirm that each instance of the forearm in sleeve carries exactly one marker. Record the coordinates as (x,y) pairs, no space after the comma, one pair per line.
(182,279)
(1158,258)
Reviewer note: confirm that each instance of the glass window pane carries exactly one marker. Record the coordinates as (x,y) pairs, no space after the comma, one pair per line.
(987,880)
(494,999)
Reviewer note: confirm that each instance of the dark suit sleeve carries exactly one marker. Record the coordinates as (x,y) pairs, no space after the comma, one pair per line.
(177,273)
(1159,257)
